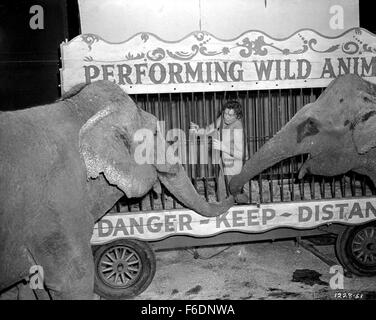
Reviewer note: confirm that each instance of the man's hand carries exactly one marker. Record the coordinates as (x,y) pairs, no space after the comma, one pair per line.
(218,145)
(194,127)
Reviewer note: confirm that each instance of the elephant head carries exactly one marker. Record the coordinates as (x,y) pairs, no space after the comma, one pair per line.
(108,144)
(337,132)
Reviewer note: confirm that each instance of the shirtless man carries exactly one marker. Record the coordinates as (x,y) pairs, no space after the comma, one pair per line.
(229,126)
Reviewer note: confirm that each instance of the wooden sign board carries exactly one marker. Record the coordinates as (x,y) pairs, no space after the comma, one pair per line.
(157,225)
(202,62)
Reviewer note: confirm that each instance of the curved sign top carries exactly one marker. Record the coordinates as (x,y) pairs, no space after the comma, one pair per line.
(201,62)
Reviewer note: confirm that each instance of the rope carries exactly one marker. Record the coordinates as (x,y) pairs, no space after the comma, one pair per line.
(196,255)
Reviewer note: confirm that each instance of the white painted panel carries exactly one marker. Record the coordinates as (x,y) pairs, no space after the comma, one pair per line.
(277,18)
(118,20)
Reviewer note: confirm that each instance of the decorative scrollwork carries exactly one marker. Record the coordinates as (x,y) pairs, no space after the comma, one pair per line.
(250,44)
(313,41)
(156,55)
(130,56)
(350,47)
(89,39)
(144,36)
(183,55)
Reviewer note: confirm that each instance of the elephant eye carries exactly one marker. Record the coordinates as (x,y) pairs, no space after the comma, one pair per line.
(307,128)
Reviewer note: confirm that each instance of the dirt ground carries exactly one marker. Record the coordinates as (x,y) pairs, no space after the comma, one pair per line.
(249,271)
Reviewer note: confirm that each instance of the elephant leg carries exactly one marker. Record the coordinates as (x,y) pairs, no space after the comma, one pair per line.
(70,274)
(64,253)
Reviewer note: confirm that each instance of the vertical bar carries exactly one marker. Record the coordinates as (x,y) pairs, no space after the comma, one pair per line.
(171,124)
(343,186)
(352,184)
(363,185)
(247,126)
(163,200)
(206,148)
(322,187)
(313,188)
(151,199)
(333,187)
(280,169)
(206,193)
(260,188)
(189,142)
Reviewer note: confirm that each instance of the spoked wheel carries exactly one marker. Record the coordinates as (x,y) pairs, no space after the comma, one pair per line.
(356,249)
(123,269)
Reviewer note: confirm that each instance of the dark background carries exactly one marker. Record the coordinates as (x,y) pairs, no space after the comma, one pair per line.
(30,59)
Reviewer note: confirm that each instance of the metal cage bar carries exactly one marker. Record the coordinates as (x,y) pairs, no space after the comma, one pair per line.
(265,113)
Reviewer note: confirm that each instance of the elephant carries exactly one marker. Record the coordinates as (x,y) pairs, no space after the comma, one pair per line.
(63,166)
(337,132)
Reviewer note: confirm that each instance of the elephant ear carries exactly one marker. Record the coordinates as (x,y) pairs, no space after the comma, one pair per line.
(107,146)
(364,126)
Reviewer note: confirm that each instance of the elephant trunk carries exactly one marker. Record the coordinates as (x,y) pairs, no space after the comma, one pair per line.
(280,147)
(181,187)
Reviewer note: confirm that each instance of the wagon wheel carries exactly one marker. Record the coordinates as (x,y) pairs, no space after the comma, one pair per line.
(356,249)
(123,269)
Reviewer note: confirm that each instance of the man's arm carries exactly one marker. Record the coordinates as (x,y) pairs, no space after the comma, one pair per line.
(232,142)
(207,130)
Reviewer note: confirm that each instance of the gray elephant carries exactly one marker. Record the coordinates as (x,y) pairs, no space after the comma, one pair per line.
(337,131)
(62,167)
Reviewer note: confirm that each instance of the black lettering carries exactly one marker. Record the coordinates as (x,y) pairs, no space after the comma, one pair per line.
(267,214)
(222,219)
(133,223)
(208,72)
(162,73)
(356,66)
(140,72)
(122,75)
(304,210)
(342,66)
(263,71)
(341,207)
(106,72)
(154,226)
(252,218)
(328,211)
(101,228)
(120,227)
(367,67)
(308,67)
(356,210)
(237,219)
(175,74)
(185,222)
(88,75)
(220,71)
(370,207)
(288,76)
(189,72)
(239,76)
(169,222)
(328,69)
(278,70)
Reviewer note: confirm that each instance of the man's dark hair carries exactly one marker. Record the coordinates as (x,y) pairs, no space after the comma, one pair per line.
(233,104)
